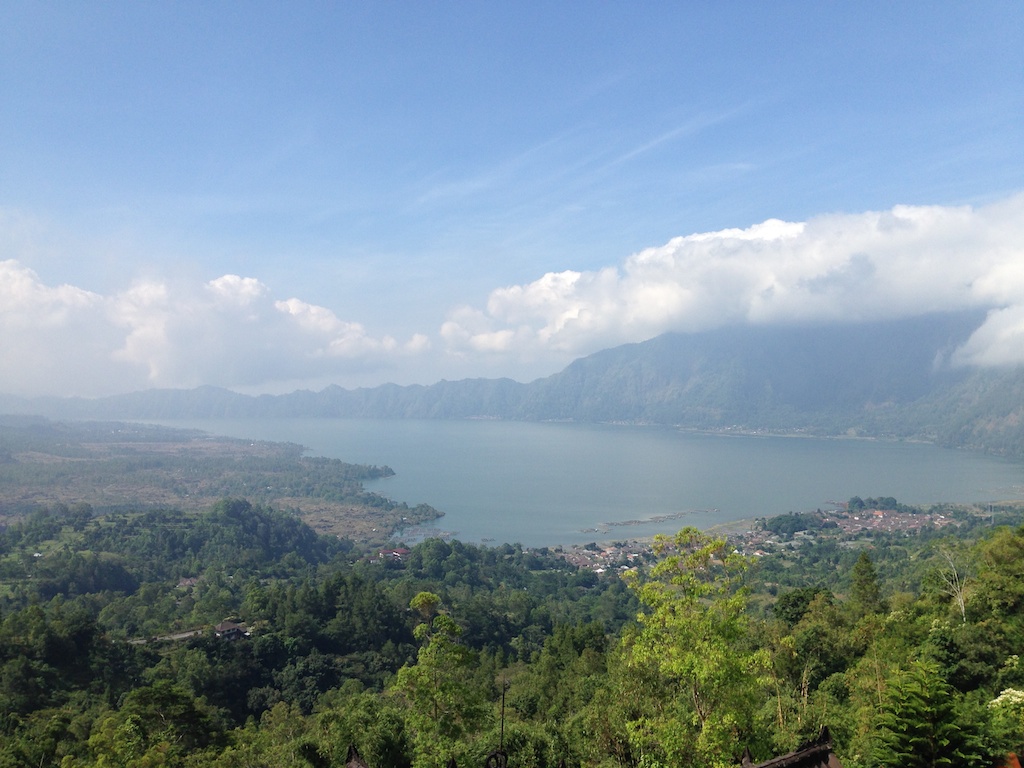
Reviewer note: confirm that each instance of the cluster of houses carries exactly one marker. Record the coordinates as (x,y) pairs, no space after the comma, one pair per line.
(620,556)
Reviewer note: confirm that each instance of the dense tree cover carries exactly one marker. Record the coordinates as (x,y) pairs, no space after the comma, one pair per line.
(906,647)
(856,504)
(794,522)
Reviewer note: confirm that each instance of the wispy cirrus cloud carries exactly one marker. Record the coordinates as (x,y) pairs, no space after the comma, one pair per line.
(690,127)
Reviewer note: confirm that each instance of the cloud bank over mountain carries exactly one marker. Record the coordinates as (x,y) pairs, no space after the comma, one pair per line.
(845,268)
(233,331)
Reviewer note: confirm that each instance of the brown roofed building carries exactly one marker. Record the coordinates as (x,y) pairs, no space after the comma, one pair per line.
(228,630)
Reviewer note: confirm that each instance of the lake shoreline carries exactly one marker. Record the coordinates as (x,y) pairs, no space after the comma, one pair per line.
(543,484)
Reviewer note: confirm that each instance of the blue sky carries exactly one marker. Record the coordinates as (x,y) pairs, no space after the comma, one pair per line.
(265,196)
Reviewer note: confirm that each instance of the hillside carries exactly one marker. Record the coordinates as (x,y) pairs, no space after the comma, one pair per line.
(234,635)
(879,379)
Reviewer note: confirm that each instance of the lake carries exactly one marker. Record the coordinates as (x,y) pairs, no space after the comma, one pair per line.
(552,483)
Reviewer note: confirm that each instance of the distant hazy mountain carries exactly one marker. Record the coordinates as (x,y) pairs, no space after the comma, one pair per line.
(886,378)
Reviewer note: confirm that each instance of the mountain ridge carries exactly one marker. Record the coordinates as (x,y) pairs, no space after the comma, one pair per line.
(888,379)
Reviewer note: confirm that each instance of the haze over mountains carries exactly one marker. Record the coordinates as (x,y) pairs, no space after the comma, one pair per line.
(891,378)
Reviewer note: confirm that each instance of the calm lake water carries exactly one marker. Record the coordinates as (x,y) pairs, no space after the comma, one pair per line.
(548,484)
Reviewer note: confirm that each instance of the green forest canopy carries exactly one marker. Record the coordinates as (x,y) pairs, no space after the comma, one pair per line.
(905,646)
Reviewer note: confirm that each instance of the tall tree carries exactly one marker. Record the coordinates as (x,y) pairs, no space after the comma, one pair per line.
(692,637)
(865,589)
(924,723)
(445,704)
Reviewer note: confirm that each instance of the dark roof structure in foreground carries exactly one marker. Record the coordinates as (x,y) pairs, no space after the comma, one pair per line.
(354,759)
(813,754)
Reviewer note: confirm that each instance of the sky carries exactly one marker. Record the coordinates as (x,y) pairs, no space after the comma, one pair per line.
(272,196)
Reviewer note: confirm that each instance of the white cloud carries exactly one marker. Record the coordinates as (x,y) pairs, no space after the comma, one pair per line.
(50,337)
(240,291)
(233,331)
(998,342)
(21,293)
(833,268)
(228,331)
